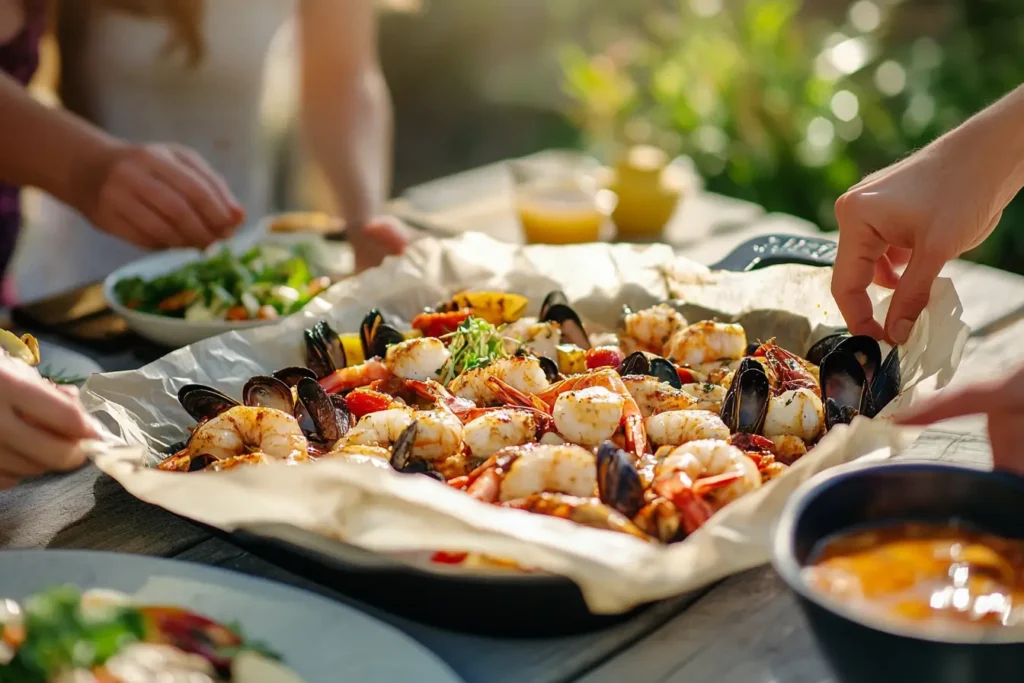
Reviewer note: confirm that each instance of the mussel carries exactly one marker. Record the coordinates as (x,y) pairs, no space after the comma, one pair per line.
(640,363)
(618,483)
(376,335)
(745,405)
(402,458)
(291,376)
(844,389)
(331,419)
(203,402)
(324,352)
(824,346)
(268,392)
(555,308)
(550,368)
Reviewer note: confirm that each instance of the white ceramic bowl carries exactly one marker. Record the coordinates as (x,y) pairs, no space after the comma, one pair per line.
(335,259)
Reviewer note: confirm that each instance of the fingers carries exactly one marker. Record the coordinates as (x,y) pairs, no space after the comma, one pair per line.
(912,293)
(144,225)
(32,450)
(898,256)
(982,397)
(214,185)
(49,409)
(1006,433)
(885,275)
(860,248)
(170,202)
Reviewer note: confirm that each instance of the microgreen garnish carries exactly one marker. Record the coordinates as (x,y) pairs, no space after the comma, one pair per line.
(474,344)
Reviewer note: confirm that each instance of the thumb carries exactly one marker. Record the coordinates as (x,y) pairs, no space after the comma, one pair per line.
(912,292)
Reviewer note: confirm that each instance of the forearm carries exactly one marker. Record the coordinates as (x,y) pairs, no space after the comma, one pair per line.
(349,133)
(49,148)
(992,142)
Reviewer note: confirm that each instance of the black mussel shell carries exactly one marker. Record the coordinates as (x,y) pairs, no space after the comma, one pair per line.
(401,451)
(318,358)
(341,413)
(549,367)
(745,406)
(867,352)
(751,365)
(752,348)
(824,346)
(291,376)
(887,382)
(384,336)
(423,467)
(331,343)
(368,330)
(569,322)
(843,382)
(200,462)
(203,402)
(322,411)
(664,370)
(635,363)
(556,297)
(268,392)
(836,414)
(618,482)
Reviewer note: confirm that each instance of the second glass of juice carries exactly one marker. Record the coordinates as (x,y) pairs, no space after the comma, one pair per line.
(558,199)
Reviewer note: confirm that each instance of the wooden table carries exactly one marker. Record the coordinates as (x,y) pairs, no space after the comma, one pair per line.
(746,628)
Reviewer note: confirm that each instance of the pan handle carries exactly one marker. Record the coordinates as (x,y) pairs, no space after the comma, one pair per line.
(773,250)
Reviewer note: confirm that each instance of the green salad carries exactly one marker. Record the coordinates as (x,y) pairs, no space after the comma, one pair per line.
(265,282)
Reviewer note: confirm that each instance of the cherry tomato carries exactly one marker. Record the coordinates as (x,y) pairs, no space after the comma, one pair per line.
(237,313)
(437,324)
(685,376)
(364,401)
(603,357)
(442,557)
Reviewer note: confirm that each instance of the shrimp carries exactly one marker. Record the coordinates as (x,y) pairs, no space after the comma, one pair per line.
(541,339)
(653,396)
(704,460)
(707,341)
(438,436)
(377,456)
(715,372)
(244,430)
(651,328)
(523,373)
(417,359)
(345,379)
(630,416)
(585,511)
(680,426)
(797,412)
(503,427)
(521,471)
(788,448)
(588,416)
(707,396)
(788,371)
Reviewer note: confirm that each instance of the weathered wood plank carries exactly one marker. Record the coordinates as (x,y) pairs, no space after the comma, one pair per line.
(87,509)
(475,658)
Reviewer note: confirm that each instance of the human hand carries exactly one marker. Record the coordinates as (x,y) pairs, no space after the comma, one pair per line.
(1002,400)
(158,196)
(41,425)
(921,212)
(381,237)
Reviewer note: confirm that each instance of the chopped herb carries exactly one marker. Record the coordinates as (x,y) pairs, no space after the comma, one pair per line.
(474,344)
(57,377)
(708,387)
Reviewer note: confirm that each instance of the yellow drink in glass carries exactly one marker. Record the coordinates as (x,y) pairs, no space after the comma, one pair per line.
(558,215)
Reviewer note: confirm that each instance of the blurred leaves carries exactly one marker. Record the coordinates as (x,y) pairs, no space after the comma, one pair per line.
(788,103)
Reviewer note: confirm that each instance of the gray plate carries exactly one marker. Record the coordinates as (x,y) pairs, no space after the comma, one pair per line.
(318,638)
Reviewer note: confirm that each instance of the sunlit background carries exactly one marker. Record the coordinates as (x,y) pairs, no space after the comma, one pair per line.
(780,102)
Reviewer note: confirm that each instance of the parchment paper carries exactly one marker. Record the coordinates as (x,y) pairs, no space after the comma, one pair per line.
(384,511)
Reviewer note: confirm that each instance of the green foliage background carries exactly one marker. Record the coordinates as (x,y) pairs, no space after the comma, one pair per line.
(788,103)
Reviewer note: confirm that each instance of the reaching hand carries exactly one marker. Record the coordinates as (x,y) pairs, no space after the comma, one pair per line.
(1001,399)
(921,212)
(382,237)
(162,196)
(41,425)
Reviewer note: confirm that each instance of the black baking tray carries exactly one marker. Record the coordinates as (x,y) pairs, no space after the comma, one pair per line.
(493,603)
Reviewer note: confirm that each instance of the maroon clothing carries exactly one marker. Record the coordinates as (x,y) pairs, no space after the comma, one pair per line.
(19,58)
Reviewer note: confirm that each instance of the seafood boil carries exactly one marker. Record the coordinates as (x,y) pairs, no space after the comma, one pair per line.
(646,430)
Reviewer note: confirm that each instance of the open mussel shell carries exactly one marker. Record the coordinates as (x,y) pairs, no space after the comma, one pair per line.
(635,363)
(665,370)
(550,368)
(745,406)
(203,402)
(402,458)
(376,335)
(824,346)
(618,483)
(291,376)
(324,352)
(844,386)
(268,392)
(867,352)
(569,322)
(556,297)
(887,382)
(331,420)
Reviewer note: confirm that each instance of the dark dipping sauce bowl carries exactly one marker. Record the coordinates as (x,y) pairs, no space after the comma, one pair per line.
(865,648)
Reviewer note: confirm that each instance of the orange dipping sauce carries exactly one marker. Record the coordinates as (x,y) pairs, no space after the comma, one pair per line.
(558,215)
(925,574)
